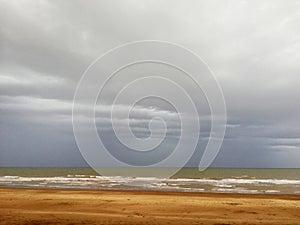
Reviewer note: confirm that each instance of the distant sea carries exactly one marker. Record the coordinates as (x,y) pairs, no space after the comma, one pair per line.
(256,181)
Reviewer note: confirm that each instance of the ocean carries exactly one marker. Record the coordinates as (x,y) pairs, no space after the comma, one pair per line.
(222,180)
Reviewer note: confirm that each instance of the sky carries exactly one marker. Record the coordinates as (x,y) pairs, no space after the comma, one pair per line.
(252,47)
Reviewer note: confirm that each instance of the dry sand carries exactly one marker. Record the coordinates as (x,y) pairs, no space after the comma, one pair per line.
(40,206)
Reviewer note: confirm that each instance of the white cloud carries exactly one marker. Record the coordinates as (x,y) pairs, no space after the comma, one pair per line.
(29,78)
(285,147)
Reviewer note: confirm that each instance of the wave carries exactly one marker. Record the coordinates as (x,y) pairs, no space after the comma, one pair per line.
(151,179)
(236,185)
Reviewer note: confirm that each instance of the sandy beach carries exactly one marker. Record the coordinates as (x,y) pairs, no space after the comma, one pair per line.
(41,206)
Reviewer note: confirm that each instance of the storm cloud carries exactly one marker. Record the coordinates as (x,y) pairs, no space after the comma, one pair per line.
(253,48)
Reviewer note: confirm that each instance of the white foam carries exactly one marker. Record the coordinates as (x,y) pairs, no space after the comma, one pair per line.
(183,184)
(224,185)
(272,191)
(235,190)
(151,179)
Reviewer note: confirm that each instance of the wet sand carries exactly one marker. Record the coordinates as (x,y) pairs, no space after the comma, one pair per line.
(44,206)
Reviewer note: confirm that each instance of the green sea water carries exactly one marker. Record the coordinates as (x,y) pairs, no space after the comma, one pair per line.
(187,179)
(217,173)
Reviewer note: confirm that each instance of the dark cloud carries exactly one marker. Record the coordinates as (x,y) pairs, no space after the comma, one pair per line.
(252,47)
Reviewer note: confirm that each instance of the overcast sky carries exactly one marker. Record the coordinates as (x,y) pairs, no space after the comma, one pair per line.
(253,47)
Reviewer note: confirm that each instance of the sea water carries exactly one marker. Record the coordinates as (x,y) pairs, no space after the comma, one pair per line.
(224,180)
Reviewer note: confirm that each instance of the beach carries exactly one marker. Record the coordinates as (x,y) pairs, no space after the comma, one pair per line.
(58,206)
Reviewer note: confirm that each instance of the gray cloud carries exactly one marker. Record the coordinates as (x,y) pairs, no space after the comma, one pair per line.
(252,47)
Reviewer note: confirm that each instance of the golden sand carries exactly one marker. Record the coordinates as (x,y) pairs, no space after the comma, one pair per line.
(44,206)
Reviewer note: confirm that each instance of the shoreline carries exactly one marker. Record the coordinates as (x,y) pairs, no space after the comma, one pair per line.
(61,206)
(167,192)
